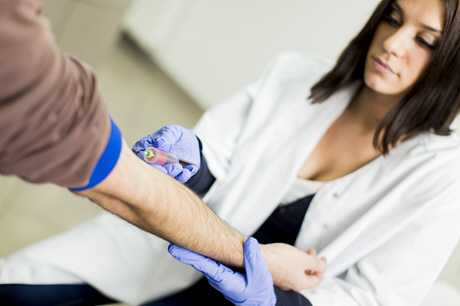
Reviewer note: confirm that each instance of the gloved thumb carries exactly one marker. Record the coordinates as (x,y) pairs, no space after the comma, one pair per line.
(184,176)
(163,143)
(254,263)
(173,170)
(141,144)
(210,268)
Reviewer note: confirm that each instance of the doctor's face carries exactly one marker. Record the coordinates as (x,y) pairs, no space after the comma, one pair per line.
(403,45)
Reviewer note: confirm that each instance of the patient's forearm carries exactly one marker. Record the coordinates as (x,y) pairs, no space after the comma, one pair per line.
(159,204)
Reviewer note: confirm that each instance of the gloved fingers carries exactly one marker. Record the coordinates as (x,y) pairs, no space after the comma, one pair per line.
(254,263)
(184,176)
(173,170)
(213,271)
(233,287)
(192,169)
(167,137)
(142,144)
(170,169)
(139,153)
(163,144)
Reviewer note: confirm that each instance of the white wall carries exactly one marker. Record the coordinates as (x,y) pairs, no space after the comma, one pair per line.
(212,48)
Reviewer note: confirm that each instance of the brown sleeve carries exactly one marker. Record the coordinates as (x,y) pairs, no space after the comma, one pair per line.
(53,121)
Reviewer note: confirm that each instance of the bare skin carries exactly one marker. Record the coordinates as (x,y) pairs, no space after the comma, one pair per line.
(352,135)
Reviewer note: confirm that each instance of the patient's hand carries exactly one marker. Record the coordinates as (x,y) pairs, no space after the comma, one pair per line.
(292,268)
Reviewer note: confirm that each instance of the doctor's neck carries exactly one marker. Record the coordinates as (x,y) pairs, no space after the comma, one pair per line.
(369,107)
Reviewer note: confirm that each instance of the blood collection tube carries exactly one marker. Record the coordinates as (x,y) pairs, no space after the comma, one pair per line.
(154,156)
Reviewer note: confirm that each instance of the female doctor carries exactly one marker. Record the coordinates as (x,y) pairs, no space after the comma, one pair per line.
(355,161)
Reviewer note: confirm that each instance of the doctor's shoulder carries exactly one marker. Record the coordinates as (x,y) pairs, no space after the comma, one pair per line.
(424,169)
(441,153)
(442,144)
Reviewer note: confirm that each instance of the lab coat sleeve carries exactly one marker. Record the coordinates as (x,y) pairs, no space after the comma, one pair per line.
(402,270)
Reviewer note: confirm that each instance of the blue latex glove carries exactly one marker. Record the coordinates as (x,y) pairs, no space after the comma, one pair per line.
(254,288)
(177,140)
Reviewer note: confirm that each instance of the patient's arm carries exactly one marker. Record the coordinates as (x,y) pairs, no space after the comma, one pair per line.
(157,203)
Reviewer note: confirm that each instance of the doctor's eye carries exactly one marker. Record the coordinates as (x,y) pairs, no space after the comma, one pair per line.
(425,44)
(392,21)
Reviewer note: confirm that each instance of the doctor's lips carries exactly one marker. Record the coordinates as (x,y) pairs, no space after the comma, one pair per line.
(381,66)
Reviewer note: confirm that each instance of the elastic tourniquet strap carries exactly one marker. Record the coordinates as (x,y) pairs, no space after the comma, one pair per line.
(108,159)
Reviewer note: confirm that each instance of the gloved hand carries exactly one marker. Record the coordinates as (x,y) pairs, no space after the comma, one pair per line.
(177,140)
(254,288)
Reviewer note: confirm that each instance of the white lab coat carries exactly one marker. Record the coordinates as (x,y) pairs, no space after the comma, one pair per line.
(386,229)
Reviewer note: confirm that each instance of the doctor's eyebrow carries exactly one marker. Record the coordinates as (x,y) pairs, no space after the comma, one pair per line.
(425,26)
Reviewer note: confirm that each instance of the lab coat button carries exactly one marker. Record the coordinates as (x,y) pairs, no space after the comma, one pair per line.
(326,226)
(335,194)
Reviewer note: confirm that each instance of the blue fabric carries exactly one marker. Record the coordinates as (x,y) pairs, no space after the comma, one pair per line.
(51,295)
(290,298)
(284,223)
(202,181)
(193,296)
(108,159)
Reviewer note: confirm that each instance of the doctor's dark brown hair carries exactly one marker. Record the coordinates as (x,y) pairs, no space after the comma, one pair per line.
(432,103)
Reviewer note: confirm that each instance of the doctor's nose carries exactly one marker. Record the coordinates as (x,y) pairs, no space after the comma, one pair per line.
(395,44)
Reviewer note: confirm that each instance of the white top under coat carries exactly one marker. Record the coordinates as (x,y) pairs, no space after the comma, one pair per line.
(301,188)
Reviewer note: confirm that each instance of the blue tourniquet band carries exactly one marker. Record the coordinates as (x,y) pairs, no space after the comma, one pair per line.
(108,159)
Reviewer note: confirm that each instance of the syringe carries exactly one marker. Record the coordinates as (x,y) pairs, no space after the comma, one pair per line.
(154,156)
